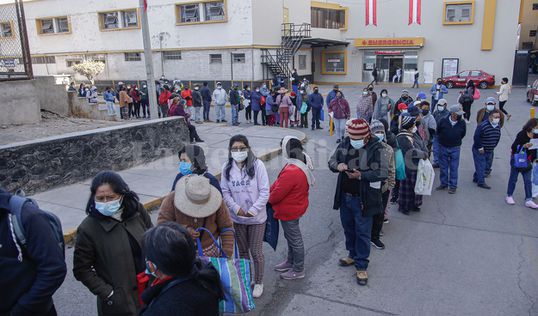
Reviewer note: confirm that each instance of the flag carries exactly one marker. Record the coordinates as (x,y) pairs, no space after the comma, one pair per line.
(145,5)
(415,8)
(371,12)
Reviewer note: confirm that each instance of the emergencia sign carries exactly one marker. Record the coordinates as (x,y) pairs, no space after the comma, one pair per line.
(390,42)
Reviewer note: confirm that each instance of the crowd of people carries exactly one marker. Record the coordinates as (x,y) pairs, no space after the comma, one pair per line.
(136,268)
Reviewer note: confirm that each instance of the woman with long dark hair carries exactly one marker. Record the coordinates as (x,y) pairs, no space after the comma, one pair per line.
(245,189)
(108,256)
(467,99)
(192,161)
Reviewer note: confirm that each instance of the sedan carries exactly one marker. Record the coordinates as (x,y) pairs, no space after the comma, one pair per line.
(481,79)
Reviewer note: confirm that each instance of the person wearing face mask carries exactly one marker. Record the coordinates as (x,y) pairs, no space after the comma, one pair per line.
(220,97)
(378,129)
(483,114)
(503,93)
(206,99)
(182,283)
(247,103)
(371,91)
(332,94)
(245,189)
(365,107)
(428,124)
(315,102)
(383,106)
(486,138)
(438,90)
(256,105)
(523,142)
(399,110)
(284,103)
(135,95)
(235,101)
(413,151)
(144,101)
(177,108)
(405,98)
(451,132)
(192,161)
(197,104)
(362,165)
(339,107)
(439,113)
(108,257)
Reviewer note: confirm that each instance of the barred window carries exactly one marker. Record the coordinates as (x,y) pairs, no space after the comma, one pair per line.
(172,55)
(72,62)
(133,56)
(215,58)
(214,11)
(43,60)
(190,13)
(117,20)
(56,25)
(200,12)
(238,58)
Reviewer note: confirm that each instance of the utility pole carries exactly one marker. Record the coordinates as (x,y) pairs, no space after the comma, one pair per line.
(148,58)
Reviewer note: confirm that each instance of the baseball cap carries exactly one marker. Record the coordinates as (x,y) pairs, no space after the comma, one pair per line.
(491,100)
(456,108)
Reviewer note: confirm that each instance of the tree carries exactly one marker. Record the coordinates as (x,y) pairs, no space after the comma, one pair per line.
(89,68)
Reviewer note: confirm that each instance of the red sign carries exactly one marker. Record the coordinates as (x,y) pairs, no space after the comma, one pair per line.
(390,42)
(389,52)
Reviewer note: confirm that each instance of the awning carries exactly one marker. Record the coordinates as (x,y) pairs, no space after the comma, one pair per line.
(322,42)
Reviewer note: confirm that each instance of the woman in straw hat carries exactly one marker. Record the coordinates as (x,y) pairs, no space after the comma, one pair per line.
(196,203)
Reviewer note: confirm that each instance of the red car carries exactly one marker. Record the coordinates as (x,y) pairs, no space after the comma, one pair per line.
(481,79)
(532,93)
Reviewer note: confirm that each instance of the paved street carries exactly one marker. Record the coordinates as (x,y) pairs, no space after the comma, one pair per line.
(464,254)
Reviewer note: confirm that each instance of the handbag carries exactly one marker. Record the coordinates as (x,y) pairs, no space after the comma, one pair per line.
(322,115)
(400,163)
(521,160)
(271,228)
(234,277)
(304,108)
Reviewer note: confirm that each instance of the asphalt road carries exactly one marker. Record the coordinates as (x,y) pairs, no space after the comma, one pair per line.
(464,254)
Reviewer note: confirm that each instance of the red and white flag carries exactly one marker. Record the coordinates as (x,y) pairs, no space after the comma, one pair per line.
(371,12)
(145,5)
(415,9)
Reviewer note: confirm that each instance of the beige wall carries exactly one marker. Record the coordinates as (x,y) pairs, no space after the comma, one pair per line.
(267,18)
(299,11)
(529,21)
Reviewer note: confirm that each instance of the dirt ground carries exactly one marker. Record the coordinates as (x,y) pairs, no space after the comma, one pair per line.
(50,125)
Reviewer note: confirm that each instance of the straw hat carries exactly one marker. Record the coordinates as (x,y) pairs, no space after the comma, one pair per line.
(196,197)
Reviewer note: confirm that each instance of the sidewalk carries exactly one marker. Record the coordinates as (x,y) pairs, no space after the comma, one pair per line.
(153,181)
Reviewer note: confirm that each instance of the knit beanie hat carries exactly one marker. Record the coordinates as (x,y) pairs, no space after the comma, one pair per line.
(377,126)
(407,121)
(413,110)
(357,127)
(402,106)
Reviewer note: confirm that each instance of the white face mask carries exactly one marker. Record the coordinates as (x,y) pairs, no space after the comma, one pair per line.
(381,136)
(440,108)
(404,111)
(495,121)
(365,93)
(414,130)
(384,95)
(239,156)
(490,107)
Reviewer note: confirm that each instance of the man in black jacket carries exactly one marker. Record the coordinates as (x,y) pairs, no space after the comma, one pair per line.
(206,97)
(450,132)
(361,164)
(197,103)
(29,275)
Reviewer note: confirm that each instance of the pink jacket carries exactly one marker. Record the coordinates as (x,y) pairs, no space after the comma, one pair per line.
(340,108)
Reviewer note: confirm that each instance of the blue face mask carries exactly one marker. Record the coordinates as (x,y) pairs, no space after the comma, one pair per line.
(148,270)
(108,208)
(185,168)
(381,136)
(357,144)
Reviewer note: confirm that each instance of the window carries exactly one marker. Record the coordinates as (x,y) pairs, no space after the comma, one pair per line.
(172,55)
(328,18)
(47,26)
(117,20)
(214,11)
(43,60)
(238,58)
(476,74)
(133,57)
(459,13)
(215,58)
(535,6)
(72,62)
(56,25)
(62,25)
(202,12)
(5,29)
(527,45)
(333,63)
(302,62)
(464,74)
(532,33)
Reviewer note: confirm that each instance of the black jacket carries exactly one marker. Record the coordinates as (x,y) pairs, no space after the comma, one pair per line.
(206,94)
(29,284)
(192,297)
(373,163)
(412,149)
(521,139)
(451,136)
(196,99)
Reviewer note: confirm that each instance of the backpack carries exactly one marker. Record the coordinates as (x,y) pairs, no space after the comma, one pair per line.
(476,94)
(16,204)
(262,100)
(163,98)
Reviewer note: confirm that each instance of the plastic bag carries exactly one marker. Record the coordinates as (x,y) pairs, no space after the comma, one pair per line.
(425,178)
(535,180)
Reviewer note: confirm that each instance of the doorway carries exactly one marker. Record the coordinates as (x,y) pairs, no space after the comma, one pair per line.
(388,65)
(428,71)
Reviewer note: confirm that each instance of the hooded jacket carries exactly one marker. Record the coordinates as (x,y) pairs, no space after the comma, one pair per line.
(27,286)
(220,97)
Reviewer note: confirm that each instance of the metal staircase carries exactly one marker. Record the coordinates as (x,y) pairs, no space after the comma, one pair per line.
(292,38)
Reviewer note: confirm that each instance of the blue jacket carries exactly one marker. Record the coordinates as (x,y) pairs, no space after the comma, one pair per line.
(442,91)
(315,100)
(29,284)
(451,136)
(330,97)
(206,94)
(268,102)
(109,96)
(255,98)
(264,91)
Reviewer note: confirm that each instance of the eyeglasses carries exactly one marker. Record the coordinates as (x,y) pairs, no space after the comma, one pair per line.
(238,149)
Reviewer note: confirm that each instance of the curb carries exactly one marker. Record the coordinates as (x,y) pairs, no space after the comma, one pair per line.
(153,205)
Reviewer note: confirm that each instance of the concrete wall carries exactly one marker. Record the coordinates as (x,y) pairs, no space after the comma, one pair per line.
(267,18)
(52,97)
(529,21)
(299,11)
(19,103)
(80,107)
(39,165)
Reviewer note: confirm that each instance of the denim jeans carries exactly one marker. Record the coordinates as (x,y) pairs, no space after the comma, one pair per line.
(316,116)
(198,114)
(513,181)
(235,114)
(449,162)
(207,107)
(481,163)
(435,149)
(357,230)
(340,128)
(292,233)
(163,110)
(221,112)
(110,106)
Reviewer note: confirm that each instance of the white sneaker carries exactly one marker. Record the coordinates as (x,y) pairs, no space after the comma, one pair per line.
(510,200)
(531,204)
(258,290)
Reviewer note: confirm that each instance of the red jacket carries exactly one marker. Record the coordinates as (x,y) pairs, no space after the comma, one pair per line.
(187,95)
(289,194)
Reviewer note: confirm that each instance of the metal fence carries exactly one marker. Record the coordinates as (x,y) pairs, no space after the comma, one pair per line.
(15,61)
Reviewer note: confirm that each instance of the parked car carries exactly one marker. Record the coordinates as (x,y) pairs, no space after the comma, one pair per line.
(532,93)
(481,78)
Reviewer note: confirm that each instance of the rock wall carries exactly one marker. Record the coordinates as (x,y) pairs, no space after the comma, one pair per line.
(39,165)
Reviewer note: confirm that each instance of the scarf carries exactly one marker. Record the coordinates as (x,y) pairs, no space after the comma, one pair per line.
(306,168)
